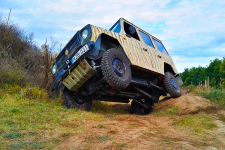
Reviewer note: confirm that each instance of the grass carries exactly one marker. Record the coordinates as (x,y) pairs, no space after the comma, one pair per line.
(113,132)
(30,120)
(172,111)
(121,145)
(12,136)
(29,113)
(104,138)
(100,126)
(166,111)
(25,116)
(65,134)
(221,117)
(196,123)
(215,95)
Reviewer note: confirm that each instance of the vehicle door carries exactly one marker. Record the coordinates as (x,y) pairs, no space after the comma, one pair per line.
(154,62)
(162,53)
(132,41)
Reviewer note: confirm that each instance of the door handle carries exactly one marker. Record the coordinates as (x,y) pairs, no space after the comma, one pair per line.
(145,49)
(159,56)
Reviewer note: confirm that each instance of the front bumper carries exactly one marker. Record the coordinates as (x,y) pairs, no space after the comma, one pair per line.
(70,66)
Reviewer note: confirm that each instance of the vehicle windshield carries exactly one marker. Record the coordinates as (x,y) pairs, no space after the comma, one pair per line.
(116,27)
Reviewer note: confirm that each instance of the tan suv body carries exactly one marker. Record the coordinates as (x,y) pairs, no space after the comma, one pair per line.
(117,65)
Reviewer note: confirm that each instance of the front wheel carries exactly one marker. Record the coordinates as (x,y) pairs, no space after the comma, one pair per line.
(116,69)
(171,85)
(74,100)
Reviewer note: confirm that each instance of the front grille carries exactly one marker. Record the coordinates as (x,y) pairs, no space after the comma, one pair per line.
(73,50)
(72,46)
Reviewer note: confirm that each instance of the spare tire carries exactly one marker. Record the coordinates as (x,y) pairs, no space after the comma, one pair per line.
(116,69)
(171,85)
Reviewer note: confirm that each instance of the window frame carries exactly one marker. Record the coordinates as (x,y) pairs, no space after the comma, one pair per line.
(136,29)
(162,45)
(115,25)
(153,46)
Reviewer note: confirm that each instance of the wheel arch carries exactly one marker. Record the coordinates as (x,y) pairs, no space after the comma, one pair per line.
(168,68)
(108,42)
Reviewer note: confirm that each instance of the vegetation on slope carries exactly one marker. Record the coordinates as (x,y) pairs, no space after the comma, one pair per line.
(211,93)
(21,61)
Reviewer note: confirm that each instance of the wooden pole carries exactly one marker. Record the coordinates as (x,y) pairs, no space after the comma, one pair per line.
(208,81)
(8,16)
(205,83)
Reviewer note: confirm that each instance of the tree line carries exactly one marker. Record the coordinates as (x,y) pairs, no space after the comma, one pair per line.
(214,74)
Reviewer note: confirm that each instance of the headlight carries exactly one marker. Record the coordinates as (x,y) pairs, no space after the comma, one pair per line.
(84,33)
(54,68)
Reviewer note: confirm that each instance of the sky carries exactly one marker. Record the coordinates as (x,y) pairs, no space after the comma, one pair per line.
(193,32)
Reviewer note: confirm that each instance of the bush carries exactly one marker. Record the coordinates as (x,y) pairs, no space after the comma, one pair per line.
(213,94)
(22,63)
(11,73)
(192,88)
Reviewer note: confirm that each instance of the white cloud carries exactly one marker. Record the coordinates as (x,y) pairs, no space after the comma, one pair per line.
(187,28)
(189,62)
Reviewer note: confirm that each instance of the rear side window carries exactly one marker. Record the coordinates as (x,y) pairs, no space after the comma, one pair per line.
(130,30)
(116,28)
(146,39)
(160,46)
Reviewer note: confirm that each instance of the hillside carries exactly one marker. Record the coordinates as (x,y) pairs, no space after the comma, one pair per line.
(188,122)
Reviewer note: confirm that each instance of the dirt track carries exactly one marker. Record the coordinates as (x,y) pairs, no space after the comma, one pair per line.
(158,130)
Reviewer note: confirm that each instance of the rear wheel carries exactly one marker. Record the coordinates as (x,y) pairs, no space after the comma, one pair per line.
(116,69)
(74,100)
(140,110)
(171,85)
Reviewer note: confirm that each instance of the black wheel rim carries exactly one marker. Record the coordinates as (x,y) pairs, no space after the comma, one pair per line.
(173,83)
(119,67)
(78,99)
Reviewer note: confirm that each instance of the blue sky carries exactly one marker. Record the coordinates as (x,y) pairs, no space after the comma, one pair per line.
(192,31)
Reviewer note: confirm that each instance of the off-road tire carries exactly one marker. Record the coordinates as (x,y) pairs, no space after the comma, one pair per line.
(169,87)
(69,101)
(110,76)
(140,110)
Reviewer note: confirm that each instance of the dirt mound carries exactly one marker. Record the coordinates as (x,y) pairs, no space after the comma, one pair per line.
(189,104)
(158,130)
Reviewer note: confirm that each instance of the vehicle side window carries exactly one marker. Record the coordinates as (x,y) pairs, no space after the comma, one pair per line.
(116,28)
(146,39)
(160,46)
(130,30)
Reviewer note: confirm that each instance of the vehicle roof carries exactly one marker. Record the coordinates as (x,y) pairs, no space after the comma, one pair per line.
(139,29)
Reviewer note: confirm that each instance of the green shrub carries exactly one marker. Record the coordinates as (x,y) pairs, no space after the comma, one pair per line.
(215,95)
(11,75)
(192,88)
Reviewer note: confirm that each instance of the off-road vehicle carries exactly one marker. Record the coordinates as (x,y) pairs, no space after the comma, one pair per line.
(120,64)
